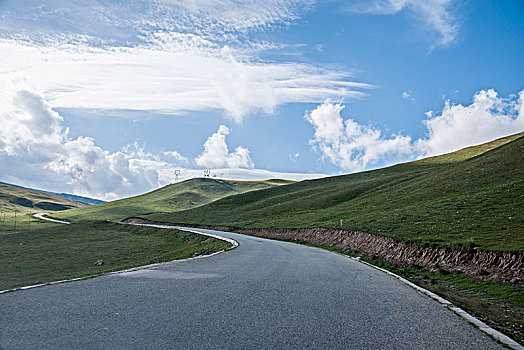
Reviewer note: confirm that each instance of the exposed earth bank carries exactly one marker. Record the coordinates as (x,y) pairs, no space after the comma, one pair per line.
(484,265)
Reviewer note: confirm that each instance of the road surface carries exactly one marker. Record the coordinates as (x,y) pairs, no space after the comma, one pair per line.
(262,294)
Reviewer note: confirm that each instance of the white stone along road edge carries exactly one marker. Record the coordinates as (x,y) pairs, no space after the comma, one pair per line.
(504,339)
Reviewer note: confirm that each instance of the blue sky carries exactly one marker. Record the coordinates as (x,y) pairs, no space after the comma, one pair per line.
(108,98)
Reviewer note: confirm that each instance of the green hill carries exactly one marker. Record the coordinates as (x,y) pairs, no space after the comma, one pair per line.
(18,203)
(175,197)
(23,200)
(474,196)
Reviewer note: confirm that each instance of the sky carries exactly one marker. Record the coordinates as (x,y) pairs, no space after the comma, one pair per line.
(113,98)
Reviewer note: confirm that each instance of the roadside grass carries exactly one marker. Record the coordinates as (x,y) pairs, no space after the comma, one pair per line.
(50,252)
(499,305)
(179,196)
(464,198)
(22,222)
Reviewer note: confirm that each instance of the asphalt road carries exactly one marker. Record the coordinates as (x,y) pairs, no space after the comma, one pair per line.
(263,294)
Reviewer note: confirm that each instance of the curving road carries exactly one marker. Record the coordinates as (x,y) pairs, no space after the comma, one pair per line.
(263,294)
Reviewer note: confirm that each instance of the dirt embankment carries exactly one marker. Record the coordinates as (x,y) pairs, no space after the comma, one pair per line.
(485,265)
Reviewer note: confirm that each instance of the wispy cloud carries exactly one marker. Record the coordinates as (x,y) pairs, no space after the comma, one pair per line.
(166,56)
(408,95)
(435,15)
(177,156)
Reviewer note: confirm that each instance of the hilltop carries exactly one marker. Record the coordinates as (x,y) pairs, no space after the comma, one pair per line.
(175,197)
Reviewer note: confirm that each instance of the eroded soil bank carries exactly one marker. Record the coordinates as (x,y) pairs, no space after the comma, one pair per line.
(483,265)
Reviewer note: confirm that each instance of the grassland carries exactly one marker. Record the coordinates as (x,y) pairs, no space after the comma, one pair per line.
(471,197)
(13,198)
(33,251)
(175,197)
(48,252)
(18,204)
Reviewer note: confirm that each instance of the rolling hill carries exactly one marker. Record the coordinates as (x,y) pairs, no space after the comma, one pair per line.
(470,197)
(175,197)
(82,199)
(73,197)
(23,199)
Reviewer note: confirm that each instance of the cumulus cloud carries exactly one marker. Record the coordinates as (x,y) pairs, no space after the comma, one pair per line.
(434,15)
(349,145)
(37,151)
(217,155)
(488,117)
(352,146)
(35,147)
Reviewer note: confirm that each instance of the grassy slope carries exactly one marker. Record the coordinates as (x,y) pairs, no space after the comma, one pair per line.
(471,197)
(49,252)
(179,196)
(17,204)
(22,199)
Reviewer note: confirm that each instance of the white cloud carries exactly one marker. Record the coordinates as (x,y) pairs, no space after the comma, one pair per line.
(37,151)
(167,174)
(488,117)
(217,155)
(407,95)
(114,22)
(34,146)
(349,145)
(352,146)
(170,81)
(433,14)
(166,56)
(177,156)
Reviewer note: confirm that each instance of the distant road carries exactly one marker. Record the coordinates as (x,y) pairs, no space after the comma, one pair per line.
(261,295)
(42,216)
